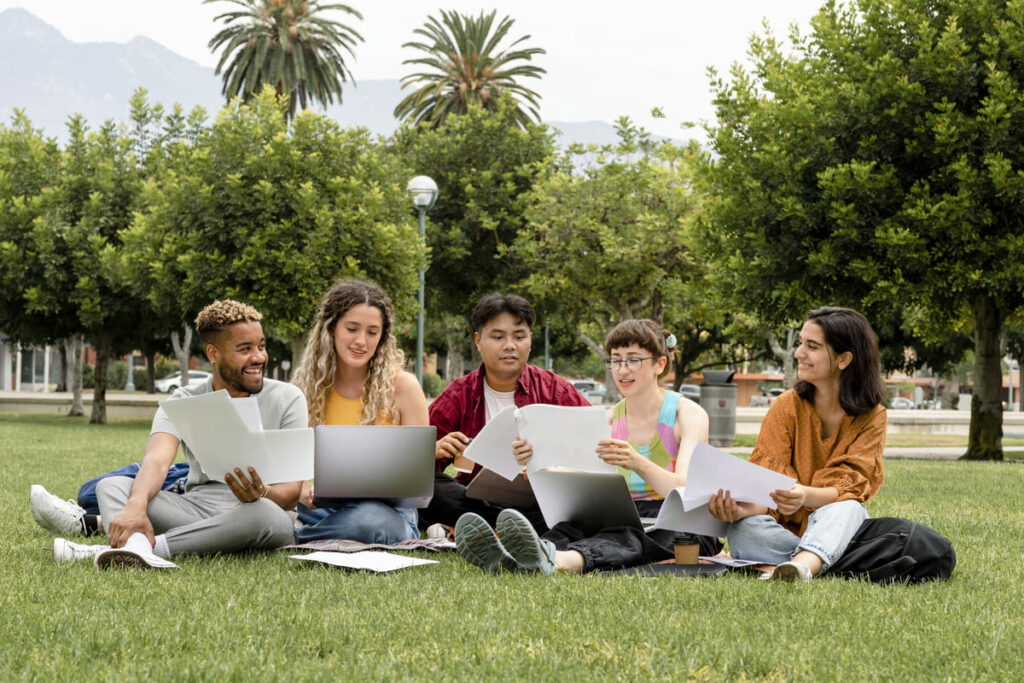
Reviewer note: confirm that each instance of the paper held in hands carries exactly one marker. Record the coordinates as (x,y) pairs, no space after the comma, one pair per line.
(710,470)
(561,436)
(226,433)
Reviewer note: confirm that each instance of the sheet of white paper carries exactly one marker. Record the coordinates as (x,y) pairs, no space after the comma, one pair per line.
(249,410)
(729,561)
(374,560)
(675,517)
(492,446)
(214,430)
(564,436)
(711,469)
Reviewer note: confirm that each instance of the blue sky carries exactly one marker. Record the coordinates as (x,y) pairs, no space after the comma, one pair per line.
(603,59)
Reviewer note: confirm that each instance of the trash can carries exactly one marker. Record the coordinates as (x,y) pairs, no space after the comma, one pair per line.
(718,398)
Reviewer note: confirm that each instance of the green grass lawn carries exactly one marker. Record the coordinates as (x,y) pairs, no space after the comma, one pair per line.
(265,617)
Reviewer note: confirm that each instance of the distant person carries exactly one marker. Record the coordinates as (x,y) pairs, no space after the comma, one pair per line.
(146,526)
(502,330)
(828,433)
(351,374)
(653,435)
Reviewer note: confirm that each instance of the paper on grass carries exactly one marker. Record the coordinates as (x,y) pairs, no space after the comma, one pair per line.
(711,470)
(374,560)
(675,517)
(215,430)
(564,436)
(492,446)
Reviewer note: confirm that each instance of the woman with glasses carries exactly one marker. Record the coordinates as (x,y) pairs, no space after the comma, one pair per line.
(828,433)
(653,434)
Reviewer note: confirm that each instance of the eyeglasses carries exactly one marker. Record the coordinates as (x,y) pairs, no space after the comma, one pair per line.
(631,363)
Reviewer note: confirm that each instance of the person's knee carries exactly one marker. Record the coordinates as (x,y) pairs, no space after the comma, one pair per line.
(112,492)
(267,525)
(378,522)
(748,536)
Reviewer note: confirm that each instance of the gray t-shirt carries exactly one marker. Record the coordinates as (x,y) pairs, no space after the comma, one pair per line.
(282,406)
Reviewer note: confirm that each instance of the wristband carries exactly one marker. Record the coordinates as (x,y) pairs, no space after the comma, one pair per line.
(266,490)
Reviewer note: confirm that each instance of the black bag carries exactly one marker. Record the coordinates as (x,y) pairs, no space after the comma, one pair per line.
(890,549)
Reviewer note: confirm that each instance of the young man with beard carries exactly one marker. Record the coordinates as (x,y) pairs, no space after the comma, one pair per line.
(145,525)
(502,327)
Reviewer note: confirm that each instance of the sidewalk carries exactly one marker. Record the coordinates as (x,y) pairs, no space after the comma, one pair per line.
(915,452)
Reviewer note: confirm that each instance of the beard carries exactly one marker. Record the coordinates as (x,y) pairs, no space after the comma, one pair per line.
(236,379)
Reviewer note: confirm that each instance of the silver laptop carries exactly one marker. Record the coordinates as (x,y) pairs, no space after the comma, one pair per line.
(358,462)
(595,499)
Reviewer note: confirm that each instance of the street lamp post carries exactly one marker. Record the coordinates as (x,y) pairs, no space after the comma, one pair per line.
(423,191)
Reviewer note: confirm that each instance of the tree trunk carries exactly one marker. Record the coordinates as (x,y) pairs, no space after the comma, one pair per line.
(609,380)
(298,345)
(785,355)
(183,352)
(150,373)
(64,352)
(99,392)
(75,356)
(985,441)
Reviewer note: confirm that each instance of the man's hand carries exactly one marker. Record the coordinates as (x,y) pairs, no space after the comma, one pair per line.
(790,501)
(128,521)
(246,489)
(450,446)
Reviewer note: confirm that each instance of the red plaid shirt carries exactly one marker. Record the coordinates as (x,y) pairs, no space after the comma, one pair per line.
(460,407)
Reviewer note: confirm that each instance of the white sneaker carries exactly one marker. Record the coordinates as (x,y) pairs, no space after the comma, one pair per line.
(122,558)
(438,531)
(66,551)
(57,516)
(792,571)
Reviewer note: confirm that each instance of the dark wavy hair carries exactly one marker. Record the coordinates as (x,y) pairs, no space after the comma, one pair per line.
(493,305)
(860,385)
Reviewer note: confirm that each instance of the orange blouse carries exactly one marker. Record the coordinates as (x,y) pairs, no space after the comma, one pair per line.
(850,460)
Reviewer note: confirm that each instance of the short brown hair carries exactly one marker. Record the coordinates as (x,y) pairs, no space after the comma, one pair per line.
(220,315)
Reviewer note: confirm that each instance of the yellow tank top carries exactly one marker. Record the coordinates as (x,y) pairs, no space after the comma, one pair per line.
(345,411)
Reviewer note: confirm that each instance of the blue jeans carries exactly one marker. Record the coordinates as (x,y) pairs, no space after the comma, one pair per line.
(366,521)
(829,530)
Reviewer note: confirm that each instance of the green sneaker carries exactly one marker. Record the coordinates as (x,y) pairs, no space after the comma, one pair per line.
(477,543)
(531,552)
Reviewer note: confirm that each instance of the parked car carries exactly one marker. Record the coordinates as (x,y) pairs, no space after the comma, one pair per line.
(901,403)
(173,381)
(690,391)
(595,392)
(774,393)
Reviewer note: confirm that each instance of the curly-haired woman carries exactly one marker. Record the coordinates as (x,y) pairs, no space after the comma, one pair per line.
(351,373)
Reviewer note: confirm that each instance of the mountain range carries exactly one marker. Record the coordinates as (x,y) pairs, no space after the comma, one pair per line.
(51,78)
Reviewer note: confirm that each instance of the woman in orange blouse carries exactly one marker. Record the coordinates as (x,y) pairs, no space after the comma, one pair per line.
(828,433)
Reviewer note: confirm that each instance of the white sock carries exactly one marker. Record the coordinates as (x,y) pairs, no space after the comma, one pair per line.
(138,543)
(160,548)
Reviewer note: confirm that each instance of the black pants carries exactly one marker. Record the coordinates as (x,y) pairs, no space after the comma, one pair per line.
(621,547)
(450,502)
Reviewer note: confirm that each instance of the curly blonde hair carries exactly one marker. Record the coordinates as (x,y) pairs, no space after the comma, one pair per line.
(315,375)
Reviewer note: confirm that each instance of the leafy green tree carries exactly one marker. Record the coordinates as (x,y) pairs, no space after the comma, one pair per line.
(482,164)
(876,164)
(290,45)
(612,241)
(464,69)
(273,213)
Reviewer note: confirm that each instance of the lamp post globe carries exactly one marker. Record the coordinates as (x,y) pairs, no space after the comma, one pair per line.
(423,192)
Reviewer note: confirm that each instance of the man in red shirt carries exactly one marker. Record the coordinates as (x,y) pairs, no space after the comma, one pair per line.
(502,332)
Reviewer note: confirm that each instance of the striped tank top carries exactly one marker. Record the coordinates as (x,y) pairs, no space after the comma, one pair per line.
(661,450)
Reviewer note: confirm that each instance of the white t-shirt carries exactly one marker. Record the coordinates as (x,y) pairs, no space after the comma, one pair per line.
(496,401)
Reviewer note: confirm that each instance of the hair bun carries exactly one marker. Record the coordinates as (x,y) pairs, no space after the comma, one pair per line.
(670,341)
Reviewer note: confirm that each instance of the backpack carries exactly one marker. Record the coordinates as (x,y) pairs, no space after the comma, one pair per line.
(891,549)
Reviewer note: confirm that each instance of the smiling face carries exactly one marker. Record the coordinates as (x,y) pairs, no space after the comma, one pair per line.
(635,381)
(357,335)
(239,358)
(816,361)
(504,343)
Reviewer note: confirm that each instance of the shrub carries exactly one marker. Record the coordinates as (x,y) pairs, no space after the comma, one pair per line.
(433,385)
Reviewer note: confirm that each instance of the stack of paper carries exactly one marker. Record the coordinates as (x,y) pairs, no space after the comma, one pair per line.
(226,433)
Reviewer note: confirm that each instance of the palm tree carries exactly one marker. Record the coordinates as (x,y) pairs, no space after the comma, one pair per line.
(464,71)
(288,44)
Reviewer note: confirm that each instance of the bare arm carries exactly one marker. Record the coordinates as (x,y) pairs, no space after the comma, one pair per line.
(160,451)
(410,402)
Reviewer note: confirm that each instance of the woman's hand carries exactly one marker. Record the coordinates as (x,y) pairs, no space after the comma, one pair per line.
(620,454)
(522,452)
(723,508)
(790,501)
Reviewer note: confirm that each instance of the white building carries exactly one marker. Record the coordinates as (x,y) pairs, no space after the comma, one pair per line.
(27,369)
